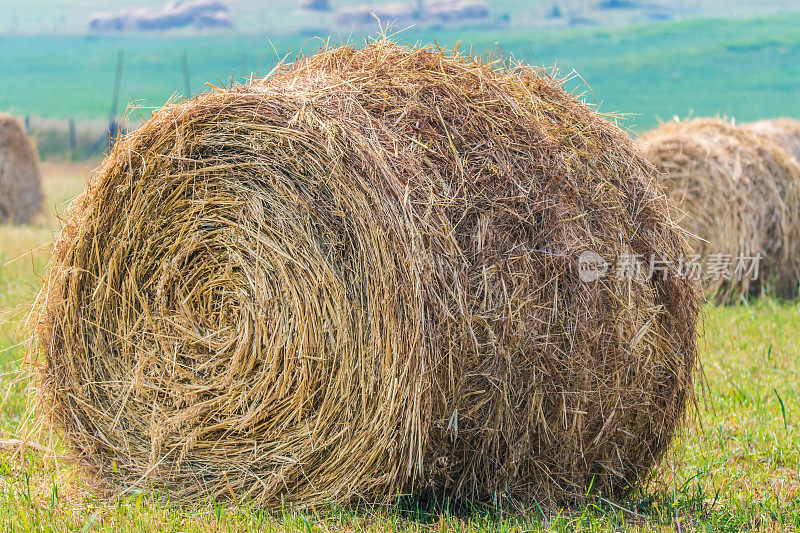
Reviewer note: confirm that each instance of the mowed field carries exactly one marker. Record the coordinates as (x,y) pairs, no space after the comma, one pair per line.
(276,16)
(742,68)
(736,466)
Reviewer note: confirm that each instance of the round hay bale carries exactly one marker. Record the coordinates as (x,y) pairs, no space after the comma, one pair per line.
(740,194)
(358,277)
(785,132)
(20,182)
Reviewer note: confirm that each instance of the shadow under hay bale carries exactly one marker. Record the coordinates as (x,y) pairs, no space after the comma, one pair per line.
(359,278)
(21,194)
(785,132)
(740,194)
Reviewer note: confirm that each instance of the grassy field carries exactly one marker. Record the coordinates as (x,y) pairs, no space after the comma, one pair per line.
(737,466)
(277,16)
(745,68)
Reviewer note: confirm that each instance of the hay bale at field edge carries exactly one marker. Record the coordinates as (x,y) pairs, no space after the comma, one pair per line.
(785,132)
(21,194)
(360,277)
(740,193)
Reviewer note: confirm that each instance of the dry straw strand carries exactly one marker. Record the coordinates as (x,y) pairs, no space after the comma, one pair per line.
(358,278)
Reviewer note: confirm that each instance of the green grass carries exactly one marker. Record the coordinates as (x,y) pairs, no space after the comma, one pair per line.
(736,467)
(275,16)
(745,68)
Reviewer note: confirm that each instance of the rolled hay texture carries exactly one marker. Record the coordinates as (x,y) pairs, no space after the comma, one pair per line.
(740,196)
(357,278)
(785,132)
(20,182)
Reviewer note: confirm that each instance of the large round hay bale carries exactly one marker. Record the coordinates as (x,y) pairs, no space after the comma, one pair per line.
(740,194)
(785,132)
(358,277)
(20,182)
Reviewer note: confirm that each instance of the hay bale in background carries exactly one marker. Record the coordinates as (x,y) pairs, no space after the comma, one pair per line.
(20,182)
(785,132)
(741,196)
(359,277)
(203,14)
(314,5)
(429,11)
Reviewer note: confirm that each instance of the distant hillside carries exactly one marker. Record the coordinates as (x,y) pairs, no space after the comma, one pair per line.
(280,17)
(745,68)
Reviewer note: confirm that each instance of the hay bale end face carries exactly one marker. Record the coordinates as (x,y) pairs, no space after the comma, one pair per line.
(20,182)
(740,196)
(358,277)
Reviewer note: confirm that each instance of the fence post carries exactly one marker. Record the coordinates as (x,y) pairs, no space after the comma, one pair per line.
(186,82)
(73,143)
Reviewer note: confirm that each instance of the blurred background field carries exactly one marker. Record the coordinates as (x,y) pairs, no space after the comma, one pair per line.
(283,16)
(650,71)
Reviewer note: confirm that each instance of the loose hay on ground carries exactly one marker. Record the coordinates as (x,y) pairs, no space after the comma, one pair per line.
(20,182)
(740,194)
(358,278)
